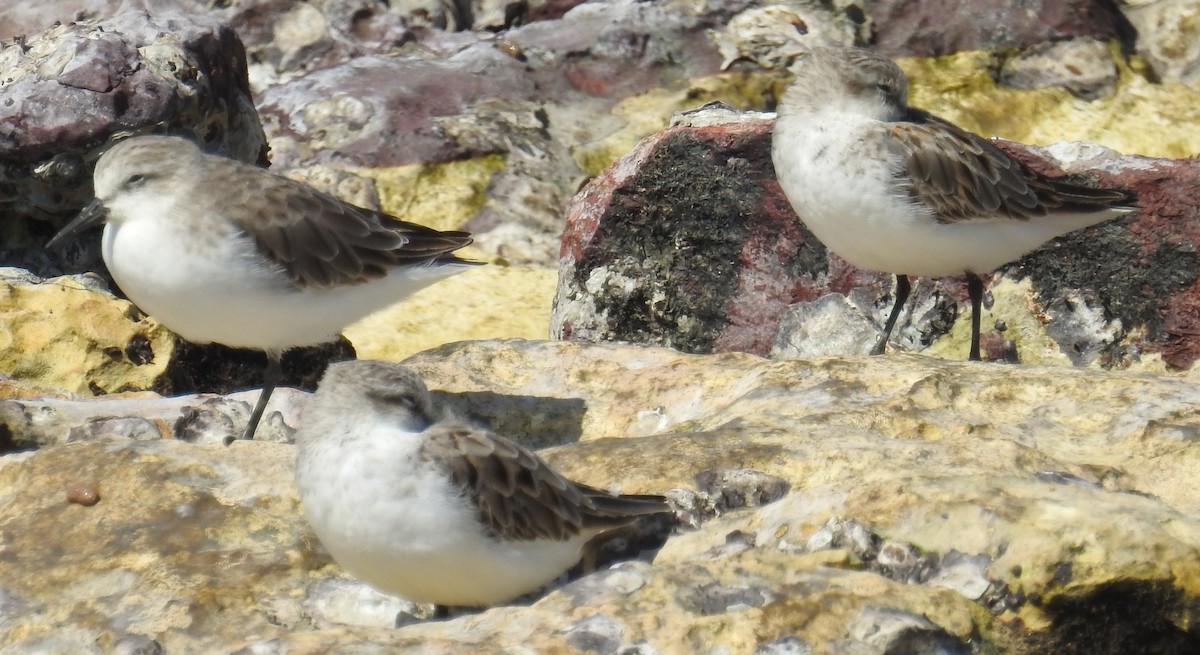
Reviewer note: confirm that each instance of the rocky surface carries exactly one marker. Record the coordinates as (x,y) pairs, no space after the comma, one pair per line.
(557,94)
(688,242)
(1168,36)
(70,333)
(65,90)
(963,88)
(863,505)
(1082,66)
(903,27)
(830,505)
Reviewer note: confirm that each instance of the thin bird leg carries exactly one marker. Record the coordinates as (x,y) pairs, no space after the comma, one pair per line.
(975,293)
(270,379)
(902,289)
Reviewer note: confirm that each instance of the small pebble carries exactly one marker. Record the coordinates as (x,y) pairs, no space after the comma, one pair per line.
(511,49)
(83,493)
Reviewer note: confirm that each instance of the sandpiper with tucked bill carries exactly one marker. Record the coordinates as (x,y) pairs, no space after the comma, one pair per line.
(895,189)
(438,511)
(222,251)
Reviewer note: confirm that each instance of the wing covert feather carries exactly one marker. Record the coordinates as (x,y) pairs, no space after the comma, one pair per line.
(517,495)
(962,177)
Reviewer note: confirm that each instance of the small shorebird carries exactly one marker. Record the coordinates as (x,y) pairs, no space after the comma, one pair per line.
(438,511)
(221,251)
(895,189)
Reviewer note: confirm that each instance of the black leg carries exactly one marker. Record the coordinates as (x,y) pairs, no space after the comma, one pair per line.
(902,289)
(270,379)
(975,293)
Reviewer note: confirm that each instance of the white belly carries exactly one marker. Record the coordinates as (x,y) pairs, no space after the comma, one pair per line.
(403,530)
(218,290)
(844,191)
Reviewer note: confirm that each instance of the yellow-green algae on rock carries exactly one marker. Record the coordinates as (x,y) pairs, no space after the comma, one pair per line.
(1142,117)
(1015,305)
(61,334)
(487,302)
(442,195)
(646,113)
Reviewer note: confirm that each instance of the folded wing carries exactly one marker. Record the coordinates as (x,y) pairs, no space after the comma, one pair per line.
(322,242)
(518,496)
(963,177)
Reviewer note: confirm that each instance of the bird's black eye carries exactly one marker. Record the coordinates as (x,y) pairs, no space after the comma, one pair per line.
(887,89)
(136,180)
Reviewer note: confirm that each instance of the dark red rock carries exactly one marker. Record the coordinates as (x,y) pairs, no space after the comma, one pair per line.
(938,27)
(67,90)
(688,242)
(399,102)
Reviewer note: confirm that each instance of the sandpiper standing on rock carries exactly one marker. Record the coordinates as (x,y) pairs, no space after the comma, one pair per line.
(438,511)
(221,251)
(895,189)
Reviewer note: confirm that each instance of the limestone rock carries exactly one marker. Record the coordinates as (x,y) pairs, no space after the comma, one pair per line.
(688,242)
(184,538)
(487,302)
(1082,66)
(70,333)
(525,108)
(896,502)
(525,115)
(1168,34)
(37,421)
(772,36)
(285,39)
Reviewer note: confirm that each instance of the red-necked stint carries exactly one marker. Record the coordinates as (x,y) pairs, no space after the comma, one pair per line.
(895,189)
(221,251)
(438,511)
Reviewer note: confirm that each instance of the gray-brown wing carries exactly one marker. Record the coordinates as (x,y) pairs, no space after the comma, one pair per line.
(323,242)
(517,495)
(962,176)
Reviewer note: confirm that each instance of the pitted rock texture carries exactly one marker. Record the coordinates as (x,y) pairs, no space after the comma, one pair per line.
(1081,66)
(900,502)
(1168,37)
(70,333)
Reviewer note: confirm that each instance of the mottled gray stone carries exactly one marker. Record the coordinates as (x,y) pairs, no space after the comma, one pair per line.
(903,27)
(1083,66)
(826,326)
(205,419)
(1168,36)
(774,35)
(887,631)
(734,488)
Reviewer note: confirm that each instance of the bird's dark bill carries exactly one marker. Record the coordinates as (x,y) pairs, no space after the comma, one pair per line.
(91,216)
